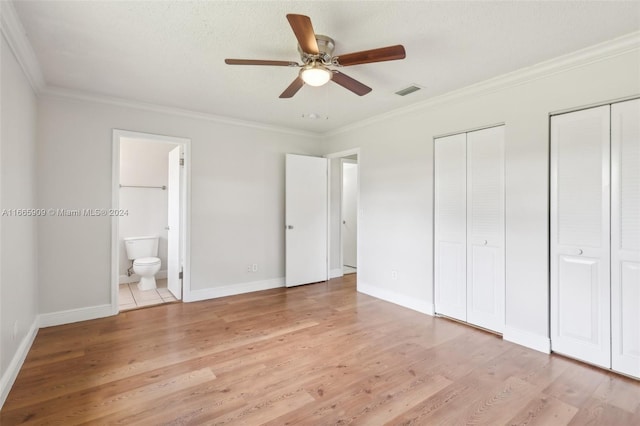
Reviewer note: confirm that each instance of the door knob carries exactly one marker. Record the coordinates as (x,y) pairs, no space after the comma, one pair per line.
(485,242)
(580,252)
(289,226)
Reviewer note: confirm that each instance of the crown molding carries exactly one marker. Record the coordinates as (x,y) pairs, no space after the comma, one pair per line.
(580,58)
(58,92)
(14,33)
(16,37)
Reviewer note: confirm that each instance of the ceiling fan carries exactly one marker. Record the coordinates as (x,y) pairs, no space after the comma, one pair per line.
(316,54)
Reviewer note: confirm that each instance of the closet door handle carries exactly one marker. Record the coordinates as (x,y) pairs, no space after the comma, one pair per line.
(580,252)
(485,242)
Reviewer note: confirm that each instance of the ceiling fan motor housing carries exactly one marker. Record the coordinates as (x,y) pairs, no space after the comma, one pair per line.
(325,47)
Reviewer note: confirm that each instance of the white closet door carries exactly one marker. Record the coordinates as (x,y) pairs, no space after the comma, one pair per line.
(485,228)
(625,237)
(580,283)
(450,226)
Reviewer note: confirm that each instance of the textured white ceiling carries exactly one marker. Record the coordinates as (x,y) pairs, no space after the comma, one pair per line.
(172,53)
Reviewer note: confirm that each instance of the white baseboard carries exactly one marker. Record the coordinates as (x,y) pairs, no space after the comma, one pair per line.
(397,298)
(232,289)
(9,376)
(525,338)
(335,273)
(125,279)
(76,315)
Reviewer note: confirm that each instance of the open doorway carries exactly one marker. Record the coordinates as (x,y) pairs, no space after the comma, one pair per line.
(343,212)
(149,233)
(349,210)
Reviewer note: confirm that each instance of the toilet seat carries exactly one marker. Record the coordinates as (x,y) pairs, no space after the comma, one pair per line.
(147,261)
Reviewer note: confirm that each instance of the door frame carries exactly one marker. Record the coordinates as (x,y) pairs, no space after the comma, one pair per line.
(115,203)
(344,161)
(333,156)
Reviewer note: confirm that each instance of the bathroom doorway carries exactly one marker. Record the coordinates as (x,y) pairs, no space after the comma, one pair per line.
(150,202)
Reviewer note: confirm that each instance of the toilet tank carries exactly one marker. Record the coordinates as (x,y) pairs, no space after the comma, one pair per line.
(138,247)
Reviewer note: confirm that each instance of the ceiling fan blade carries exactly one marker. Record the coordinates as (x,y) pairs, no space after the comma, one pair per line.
(349,83)
(293,88)
(390,53)
(302,28)
(260,62)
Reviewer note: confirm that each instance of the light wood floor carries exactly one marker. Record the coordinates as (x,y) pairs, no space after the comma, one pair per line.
(317,354)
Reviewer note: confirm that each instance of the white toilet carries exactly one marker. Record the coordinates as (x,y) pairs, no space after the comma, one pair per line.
(144,251)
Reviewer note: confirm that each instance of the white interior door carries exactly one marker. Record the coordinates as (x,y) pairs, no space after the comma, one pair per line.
(580,283)
(174,250)
(306,219)
(349,213)
(485,228)
(625,237)
(450,254)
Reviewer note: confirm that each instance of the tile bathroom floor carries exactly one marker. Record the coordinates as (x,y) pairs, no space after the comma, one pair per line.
(132,298)
(348,270)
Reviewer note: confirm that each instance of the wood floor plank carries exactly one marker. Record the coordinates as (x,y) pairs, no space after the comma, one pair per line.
(315,354)
(544,411)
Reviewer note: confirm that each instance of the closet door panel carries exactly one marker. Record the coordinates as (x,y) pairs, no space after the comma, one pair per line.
(625,237)
(450,226)
(580,284)
(485,228)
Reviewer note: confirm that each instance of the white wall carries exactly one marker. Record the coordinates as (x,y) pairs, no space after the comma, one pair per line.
(18,242)
(237,199)
(143,163)
(396,172)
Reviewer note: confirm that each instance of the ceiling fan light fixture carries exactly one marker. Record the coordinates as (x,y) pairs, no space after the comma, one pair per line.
(315,75)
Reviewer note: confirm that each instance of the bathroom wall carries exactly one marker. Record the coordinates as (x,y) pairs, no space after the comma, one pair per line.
(143,163)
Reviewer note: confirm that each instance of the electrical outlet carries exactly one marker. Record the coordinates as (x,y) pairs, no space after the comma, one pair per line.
(254,267)
(394,274)
(249,268)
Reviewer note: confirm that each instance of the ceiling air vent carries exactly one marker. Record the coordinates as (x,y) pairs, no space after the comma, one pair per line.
(407,90)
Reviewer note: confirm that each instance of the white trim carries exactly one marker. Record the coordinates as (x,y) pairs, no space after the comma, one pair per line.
(115,201)
(233,289)
(580,58)
(58,92)
(336,273)
(10,374)
(397,298)
(346,153)
(15,35)
(75,315)
(525,338)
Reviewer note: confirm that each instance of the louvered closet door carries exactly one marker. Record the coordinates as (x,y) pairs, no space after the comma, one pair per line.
(450,226)
(625,237)
(485,228)
(580,298)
